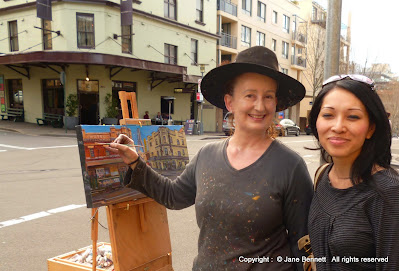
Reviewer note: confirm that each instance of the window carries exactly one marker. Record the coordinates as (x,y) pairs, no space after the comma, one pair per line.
(314,13)
(293,51)
(200,9)
(178,142)
(170,54)
(274,44)
(15,93)
(47,42)
(285,49)
(247,7)
(85,27)
(286,24)
(261,11)
(127,39)
(260,38)
(299,51)
(245,36)
(170,9)
(194,51)
(53,96)
(285,71)
(274,18)
(13,34)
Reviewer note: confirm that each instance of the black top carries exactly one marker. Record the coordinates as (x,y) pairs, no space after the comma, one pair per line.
(356,228)
(258,211)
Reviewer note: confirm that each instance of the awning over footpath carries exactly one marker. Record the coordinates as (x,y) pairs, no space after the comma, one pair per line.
(113,62)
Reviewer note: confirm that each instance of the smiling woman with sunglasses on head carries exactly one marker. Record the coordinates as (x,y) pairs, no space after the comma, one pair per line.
(354,216)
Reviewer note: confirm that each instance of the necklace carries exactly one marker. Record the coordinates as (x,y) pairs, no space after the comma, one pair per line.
(340,178)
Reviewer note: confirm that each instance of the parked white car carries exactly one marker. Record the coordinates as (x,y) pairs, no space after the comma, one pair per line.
(290,127)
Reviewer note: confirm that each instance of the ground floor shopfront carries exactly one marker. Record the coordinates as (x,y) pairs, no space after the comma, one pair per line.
(40,84)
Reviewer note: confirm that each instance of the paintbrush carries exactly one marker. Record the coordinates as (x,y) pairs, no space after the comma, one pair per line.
(129,145)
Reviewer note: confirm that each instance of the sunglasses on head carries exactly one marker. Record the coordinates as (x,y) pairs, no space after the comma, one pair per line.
(355,77)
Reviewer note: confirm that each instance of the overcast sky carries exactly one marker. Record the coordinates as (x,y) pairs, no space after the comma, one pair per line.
(375,37)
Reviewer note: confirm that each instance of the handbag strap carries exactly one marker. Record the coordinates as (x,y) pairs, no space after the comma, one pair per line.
(318,174)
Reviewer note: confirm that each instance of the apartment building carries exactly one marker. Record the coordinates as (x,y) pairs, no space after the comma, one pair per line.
(271,23)
(94,47)
(315,16)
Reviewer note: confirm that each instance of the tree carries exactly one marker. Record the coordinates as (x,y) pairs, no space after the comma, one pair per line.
(314,72)
(389,94)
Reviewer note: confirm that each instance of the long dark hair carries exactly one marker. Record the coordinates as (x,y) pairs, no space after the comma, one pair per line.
(377,149)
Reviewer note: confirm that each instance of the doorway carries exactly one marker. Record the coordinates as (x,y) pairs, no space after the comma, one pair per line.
(88,108)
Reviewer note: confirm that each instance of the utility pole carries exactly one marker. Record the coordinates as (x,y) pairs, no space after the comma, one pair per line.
(333,38)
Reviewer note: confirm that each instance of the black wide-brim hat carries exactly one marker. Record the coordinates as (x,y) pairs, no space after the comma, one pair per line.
(257,59)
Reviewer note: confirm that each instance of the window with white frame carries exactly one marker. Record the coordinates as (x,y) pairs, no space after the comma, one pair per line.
(285,50)
(285,71)
(247,7)
(286,23)
(200,10)
(274,18)
(261,11)
(274,44)
(245,36)
(260,38)
(194,51)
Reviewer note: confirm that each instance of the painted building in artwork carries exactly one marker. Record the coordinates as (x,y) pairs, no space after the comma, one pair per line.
(105,169)
(167,149)
(87,49)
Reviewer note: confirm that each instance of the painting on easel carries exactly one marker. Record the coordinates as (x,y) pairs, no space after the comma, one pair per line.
(164,148)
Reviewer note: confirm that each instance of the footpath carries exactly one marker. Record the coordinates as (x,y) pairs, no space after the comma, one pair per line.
(32,129)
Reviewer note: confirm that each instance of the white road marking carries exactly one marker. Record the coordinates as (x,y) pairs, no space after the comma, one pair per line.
(12,147)
(38,148)
(39,215)
(3,150)
(308,155)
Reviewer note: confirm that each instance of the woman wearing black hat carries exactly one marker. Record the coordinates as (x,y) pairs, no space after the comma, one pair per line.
(250,211)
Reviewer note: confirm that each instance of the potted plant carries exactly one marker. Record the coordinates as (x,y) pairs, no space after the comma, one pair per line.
(111,110)
(72,103)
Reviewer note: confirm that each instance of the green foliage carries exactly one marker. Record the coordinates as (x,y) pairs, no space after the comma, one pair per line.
(72,105)
(111,104)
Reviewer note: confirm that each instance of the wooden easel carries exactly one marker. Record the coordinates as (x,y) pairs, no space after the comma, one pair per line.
(138,229)
(126,98)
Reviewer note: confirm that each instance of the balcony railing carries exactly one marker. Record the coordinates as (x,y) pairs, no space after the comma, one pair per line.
(299,37)
(228,40)
(227,6)
(298,61)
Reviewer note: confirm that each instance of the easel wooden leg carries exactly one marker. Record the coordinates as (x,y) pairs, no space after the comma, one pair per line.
(94,235)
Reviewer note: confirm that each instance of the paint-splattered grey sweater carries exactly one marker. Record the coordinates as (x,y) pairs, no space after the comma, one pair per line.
(258,212)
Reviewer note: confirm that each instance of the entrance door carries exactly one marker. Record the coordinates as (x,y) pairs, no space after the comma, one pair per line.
(88,108)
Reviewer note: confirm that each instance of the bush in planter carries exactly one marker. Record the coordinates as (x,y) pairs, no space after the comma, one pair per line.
(72,104)
(111,110)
